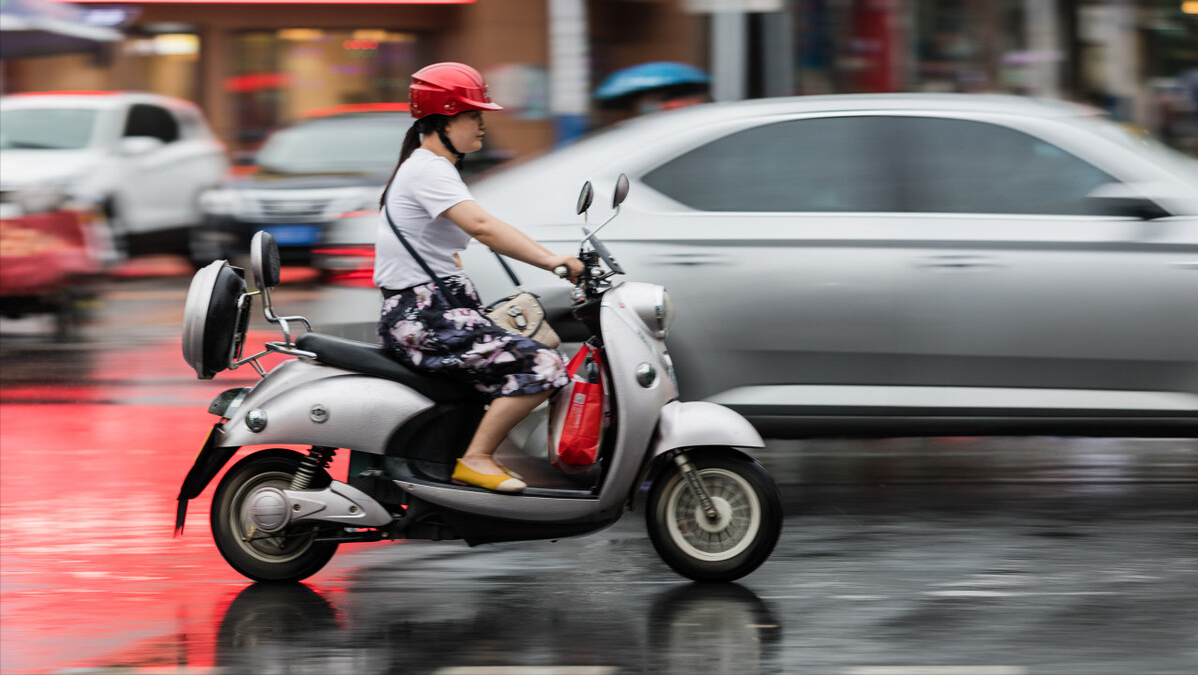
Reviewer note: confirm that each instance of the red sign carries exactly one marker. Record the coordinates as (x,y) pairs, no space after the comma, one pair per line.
(278,2)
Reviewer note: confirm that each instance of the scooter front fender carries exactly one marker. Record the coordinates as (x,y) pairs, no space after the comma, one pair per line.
(695,424)
(700,423)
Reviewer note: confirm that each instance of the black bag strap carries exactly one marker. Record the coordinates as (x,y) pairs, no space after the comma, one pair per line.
(423,265)
(510,272)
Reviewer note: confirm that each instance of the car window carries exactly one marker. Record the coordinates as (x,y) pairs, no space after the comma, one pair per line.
(153,121)
(967,166)
(821,164)
(191,125)
(352,144)
(46,128)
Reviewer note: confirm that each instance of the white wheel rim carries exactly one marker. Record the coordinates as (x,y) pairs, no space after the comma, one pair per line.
(730,534)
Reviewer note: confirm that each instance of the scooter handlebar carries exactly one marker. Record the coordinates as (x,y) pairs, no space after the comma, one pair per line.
(562,271)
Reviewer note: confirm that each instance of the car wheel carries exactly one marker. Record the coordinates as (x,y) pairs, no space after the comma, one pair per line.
(118,231)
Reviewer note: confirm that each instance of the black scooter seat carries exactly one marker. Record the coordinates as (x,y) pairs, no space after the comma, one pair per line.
(373,359)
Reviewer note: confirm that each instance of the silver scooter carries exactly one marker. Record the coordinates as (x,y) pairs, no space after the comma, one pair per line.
(712,512)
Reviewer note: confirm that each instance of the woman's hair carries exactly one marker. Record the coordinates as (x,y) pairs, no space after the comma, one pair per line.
(425,125)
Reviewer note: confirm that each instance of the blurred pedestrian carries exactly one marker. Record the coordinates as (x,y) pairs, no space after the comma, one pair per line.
(439,325)
(654,86)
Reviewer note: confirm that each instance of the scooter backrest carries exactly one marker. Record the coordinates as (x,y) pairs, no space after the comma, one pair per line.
(264,260)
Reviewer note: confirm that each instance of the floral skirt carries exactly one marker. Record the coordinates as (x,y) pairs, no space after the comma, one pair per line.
(425,332)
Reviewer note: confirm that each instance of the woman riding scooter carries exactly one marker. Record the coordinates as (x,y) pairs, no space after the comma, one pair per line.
(427,204)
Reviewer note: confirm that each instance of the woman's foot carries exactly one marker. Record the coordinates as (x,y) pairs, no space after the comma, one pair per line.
(509,472)
(499,482)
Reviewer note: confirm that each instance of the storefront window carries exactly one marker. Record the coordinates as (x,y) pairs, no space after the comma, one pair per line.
(1170,43)
(279,76)
(968,46)
(164,63)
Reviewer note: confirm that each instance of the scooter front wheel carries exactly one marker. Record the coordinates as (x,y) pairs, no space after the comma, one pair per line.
(290,555)
(738,540)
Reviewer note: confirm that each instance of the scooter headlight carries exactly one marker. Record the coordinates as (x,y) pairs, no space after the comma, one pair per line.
(665,314)
(653,306)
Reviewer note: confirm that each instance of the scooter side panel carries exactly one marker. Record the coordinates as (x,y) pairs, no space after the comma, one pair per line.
(628,345)
(699,423)
(312,404)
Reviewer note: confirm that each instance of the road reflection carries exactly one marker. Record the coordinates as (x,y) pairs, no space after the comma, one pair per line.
(690,629)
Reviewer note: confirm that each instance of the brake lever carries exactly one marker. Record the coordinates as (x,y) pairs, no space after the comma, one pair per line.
(601,249)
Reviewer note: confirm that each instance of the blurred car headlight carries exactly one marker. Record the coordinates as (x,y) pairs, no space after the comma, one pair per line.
(218,202)
(354,201)
(41,199)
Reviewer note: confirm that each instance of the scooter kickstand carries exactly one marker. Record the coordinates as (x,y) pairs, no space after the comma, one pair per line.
(696,486)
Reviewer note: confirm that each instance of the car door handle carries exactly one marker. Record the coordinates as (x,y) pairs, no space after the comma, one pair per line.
(1187,265)
(959,262)
(689,259)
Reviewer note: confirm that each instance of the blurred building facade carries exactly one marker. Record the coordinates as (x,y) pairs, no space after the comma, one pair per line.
(254,66)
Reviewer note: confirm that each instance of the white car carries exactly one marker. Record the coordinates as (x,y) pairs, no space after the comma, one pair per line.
(892,264)
(143,159)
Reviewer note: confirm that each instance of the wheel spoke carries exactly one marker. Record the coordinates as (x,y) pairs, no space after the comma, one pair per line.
(735,527)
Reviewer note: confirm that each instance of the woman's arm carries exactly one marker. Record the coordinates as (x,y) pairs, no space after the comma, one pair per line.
(507,240)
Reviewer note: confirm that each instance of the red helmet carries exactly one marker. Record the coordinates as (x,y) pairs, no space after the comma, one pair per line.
(448,89)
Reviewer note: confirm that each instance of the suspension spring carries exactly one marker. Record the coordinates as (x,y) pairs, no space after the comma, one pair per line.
(318,459)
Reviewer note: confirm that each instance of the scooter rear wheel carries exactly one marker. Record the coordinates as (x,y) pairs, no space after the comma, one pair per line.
(741,537)
(291,555)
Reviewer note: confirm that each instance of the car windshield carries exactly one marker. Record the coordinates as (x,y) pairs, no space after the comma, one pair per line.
(46,128)
(356,144)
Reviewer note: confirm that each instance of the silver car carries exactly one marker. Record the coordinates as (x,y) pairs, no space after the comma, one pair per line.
(896,264)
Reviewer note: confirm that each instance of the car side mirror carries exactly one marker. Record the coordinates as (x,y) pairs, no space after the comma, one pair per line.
(264,260)
(585,198)
(1118,199)
(621,192)
(134,146)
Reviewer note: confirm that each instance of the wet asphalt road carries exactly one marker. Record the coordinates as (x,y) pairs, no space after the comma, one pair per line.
(898,556)
(994,579)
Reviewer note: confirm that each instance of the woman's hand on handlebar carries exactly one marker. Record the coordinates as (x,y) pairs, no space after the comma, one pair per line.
(569,264)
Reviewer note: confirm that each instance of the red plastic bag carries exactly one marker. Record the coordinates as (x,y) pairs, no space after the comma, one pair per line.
(576,415)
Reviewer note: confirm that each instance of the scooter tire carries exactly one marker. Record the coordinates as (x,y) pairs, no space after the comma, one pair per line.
(289,557)
(744,535)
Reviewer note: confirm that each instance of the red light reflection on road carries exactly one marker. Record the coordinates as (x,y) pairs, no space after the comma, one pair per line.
(88,487)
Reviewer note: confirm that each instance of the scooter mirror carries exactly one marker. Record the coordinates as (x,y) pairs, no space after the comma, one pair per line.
(621,192)
(264,260)
(585,197)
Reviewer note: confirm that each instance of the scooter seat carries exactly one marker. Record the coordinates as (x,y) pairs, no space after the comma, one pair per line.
(372,359)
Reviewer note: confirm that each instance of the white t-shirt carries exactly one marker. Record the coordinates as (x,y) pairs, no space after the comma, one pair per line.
(425,186)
